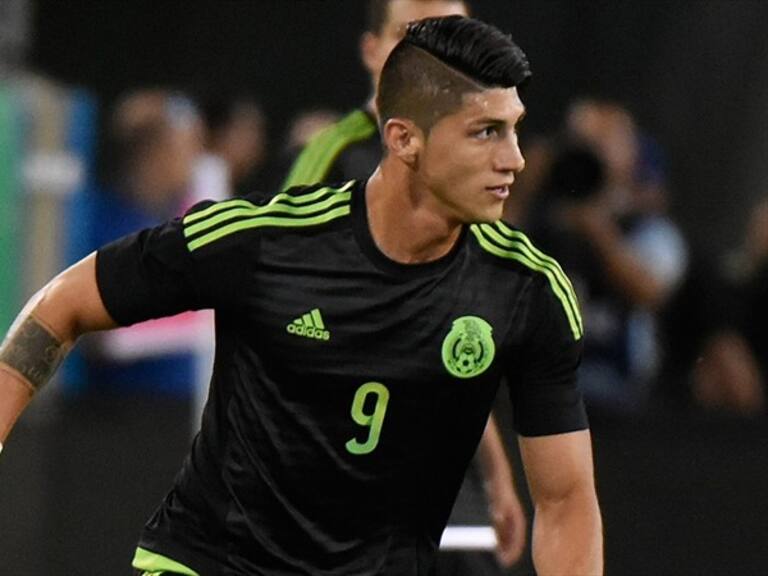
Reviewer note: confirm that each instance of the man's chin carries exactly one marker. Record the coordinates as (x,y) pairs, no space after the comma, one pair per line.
(488,216)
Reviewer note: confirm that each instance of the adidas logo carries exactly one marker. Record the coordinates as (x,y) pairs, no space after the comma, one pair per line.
(309,325)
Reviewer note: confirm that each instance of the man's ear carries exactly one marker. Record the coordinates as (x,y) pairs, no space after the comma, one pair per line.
(404,140)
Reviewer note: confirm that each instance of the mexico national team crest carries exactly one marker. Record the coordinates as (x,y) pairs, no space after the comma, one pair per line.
(468,348)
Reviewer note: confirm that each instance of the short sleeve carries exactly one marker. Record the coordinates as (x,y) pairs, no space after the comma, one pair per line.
(153,273)
(543,382)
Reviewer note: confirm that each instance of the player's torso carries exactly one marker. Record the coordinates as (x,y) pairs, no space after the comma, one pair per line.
(360,388)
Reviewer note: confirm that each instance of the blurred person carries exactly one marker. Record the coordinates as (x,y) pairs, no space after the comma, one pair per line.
(698,325)
(153,140)
(361,337)
(306,125)
(351,149)
(726,375)
(624,254)
(302,128)
(235,148)
(732,358)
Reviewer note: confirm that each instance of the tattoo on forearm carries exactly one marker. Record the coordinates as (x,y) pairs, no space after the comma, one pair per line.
(33,351)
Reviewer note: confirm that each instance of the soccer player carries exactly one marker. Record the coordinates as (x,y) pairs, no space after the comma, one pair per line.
(351,149)
(361,337)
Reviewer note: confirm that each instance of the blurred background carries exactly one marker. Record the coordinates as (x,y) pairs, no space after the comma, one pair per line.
(646,139)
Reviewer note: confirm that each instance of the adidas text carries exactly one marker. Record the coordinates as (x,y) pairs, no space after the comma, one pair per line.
(311,332)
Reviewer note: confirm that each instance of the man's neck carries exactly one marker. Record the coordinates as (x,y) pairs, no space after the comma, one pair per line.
(404,222)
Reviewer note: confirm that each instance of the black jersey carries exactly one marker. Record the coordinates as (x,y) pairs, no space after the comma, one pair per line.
(349,391)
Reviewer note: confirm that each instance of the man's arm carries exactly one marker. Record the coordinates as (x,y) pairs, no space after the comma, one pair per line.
(43,333)
(567,528)
(505,508)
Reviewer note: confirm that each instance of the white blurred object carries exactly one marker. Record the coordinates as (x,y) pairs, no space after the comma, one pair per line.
(184,333)
(55,172)
(468,538)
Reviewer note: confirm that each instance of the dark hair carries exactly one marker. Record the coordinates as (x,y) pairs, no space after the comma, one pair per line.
(378,12)
(480,51)
(441,59)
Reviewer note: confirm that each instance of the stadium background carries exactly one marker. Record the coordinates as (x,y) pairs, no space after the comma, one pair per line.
(682,493)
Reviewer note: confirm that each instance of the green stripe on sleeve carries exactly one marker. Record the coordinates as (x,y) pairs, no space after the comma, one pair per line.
(355,126)
(527,262)
(317,157)
(278,198)
(261,221)
(524,246)
(218,207)
(153,563)
(284,197)
(269,209)
(516,234)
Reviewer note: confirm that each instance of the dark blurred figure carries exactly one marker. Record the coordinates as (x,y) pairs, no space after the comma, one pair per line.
(718,328)
(235,148)
(755,283)
(601,214)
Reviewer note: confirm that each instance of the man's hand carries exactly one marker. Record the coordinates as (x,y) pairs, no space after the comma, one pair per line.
(504,506)
(509,521)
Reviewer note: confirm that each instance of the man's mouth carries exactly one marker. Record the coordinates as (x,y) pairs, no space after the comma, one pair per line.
(500,192)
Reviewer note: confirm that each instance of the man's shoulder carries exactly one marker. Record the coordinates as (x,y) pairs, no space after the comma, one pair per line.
(514,250)
(355,125)
(509,244)
(318,157)
(236,220)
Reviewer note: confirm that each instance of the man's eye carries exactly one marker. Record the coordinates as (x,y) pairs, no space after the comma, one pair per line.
(487,132)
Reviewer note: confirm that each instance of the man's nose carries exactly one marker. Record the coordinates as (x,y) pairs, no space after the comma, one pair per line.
(510,158)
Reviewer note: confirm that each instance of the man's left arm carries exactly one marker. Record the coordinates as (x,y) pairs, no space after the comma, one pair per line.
(505,508)
(567,527)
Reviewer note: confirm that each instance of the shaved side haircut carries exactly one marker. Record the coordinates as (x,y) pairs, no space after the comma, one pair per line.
(439,61)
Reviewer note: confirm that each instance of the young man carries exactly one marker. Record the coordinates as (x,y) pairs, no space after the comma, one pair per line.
(351,149)
(361,337)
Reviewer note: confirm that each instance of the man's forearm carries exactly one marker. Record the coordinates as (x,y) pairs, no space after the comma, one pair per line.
(568,537)
(33,351)
(43,333)
(492,456)
(29,356)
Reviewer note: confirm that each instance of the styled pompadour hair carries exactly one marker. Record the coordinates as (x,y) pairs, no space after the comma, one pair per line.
(441,59)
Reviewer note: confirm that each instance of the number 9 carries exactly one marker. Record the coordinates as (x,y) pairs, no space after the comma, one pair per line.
(374,421)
